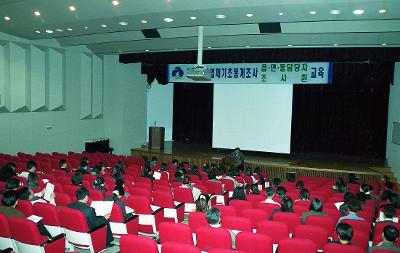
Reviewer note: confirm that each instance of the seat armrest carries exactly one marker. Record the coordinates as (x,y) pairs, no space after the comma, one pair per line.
(225,193)
(157,211)
(7,250)
(97,228)
(131,218)
(55,238)
(179,205)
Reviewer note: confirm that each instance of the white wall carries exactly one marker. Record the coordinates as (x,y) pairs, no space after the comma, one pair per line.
(160,107)
(43,85)
(393,150)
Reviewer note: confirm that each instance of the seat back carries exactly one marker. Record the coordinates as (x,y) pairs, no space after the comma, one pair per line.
(48,212)
(214,187)
(163,199)
(267,208)
(240,205)
(197,220)
(254,243)
(63,199)
(255,215)
(340,248)
(140,244)
(175,232)
(237,223)
(317,234)
(297,245)
(291,219)
(358,225)
(325,222)
(208,238)
(226,210)
(96,195)
(184,195)
(255,199)
(73,220)
(228,184)
(176,247)
(25,207)
(140,204)
(361,239)
(25,231)
(4,227)
(117,214)
(274,229)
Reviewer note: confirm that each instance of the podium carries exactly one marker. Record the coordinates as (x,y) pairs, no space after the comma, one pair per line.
(156,137)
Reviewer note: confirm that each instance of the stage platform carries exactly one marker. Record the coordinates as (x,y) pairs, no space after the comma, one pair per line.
(276,165)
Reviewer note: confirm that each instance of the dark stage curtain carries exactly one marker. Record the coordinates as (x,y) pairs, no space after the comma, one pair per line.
(193,113)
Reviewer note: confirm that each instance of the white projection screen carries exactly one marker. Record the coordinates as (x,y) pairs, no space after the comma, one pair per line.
(253,117)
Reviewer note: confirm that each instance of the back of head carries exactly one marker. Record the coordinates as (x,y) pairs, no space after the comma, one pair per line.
(276,181)
(348,196)
(81,193)
(33,181)
(12,184)
(304,194)
(394,199)
(344,231)
(299,185)
(213,216)
(186,180)
(254,189)
(96,169)
(352,178)
(31,166)
(238,193)
(291,177)
(257,170)
(316,205)
(24,193)
(280,191)
(212,174)
(9,198)
(76,179)
(286,205)
(389,211)
(354,206)
(269,191)
(99,181)
(62,163)
(163,167)
(389,185)
(362,197)
(366,188)
(202,204)
(390,233)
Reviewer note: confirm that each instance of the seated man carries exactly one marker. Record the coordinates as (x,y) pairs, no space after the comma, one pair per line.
(390,235)
(238,157)
(10,202)
(93,221)
(213,217)
(345,234)
(269,192)
(354,207)
(30,168)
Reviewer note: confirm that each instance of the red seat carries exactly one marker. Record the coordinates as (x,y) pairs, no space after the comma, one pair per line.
(317,234)
(274,229)
(325,222)
(300,209)
(358,225)
(361,239)
(6,239)
(149,216)
(28,238)
(226,210)
(95,195)
(140,244)
(216,189)
(382,251)
(50,217)
(255,215)
(255,199)
(225,251)
(267,208)
(208,238)
(62,199)
(379,226)
(297,245)
(197,220)
(341,248)
(25,207)
(121,226)
(254,243)
(175,247)
(175,232)
(291,219)
(240,205)
(172,212)
(237,223)
(78,233)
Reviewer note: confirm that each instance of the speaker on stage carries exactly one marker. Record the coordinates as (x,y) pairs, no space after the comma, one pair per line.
(156,137)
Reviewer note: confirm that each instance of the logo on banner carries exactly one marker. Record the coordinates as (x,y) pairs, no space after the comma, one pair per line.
(177,72)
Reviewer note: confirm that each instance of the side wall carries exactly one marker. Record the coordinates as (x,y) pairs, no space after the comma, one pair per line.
(393,150)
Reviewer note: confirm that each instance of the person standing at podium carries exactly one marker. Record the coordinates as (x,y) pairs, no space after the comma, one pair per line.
(238,157)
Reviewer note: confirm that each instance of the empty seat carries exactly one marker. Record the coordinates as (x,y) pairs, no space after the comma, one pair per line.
(197,220)
(341,248)
(274,229)
(140,244)
(317,234)
(176,247)
(50,217)
(226,210)
(6,239)
(255,215)
(254,243)
(291,219)
(172,211)
(208,238)
(237,223)
(240,205)
(175,232)
(297,245)
(325,222)
(121,226)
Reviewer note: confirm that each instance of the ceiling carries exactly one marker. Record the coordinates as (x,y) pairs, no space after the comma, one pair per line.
(378,26)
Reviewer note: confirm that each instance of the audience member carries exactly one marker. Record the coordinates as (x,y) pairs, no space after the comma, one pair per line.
(7,172)
(276,182)
(27,194)
(187,184)
(354,207)
(388,214)
(390,235)
(257,172)
(269,192)
(315,209)
(12,184)
(254,189)
(345,233)
(30,167)
(33,181)
(280,192)
(117,195)
(304,195)
(347,197)
(99,185)
(286,207)
(77,179)
(213,217)
(63,165)
(299,184)
(238,194)
(203,203)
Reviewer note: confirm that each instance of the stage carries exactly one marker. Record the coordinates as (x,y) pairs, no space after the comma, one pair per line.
(276,165)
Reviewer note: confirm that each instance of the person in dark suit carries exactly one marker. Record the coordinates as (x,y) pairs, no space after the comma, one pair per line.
(93,221)
(390,235)
(117,195)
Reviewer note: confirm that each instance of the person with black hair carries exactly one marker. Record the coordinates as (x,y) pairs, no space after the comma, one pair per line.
(280,191)
(33,181)
(7,172)
(203,203)
(9,203)
(148,173)
(276,182)
(238,194)
(315,209)
(361,197)
(299,185)
(304,195)
(194,170)
(270,192)
(213,217)
(352,179)
(12,184)
(63,165)
(212,175)
(340,185)
(345,234)
(187,184)
(367,190)
(84,167)
(388,214)
(178,176)
(30,167)
(389,237)
(77,179)
(347,197)
(232,172)
(27,194)
(117,195)
(286,207)
(257,172)
(354,207)
(93,221)
(99,185)
(254,189)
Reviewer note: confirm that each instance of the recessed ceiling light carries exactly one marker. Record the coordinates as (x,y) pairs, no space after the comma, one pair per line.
(37,13)
(383,44)
(49,31)
(381,11)
(336,44)
(146,50)
(247,46)
(104,26)
(280,13)
(86,27)
(69,29)
(335,12)
(144,21)
(209,47)
(358,12)
(123,23)
(168,20)
(37,31)
(115,2)
(290,45)
(72,8)
(59,30)
(220,16)
(249,15)
(313,12)
(7,18)
(193,18)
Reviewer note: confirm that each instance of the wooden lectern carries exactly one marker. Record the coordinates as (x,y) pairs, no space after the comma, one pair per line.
(156,137)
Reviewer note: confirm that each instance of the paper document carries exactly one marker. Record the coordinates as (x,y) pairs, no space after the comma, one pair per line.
(35,218)
(338,204)
(48,191)
(129,210)
(102,207)
(157,175)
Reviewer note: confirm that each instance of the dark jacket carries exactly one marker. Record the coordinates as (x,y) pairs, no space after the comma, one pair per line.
(90,214)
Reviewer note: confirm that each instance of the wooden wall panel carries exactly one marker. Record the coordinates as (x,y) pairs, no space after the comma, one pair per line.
(37,78)
(86,86)
(56,79)
(97,87)
(19,84)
